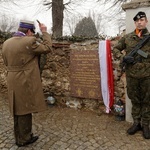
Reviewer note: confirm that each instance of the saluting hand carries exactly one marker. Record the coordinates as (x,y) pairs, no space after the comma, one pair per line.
(42,27)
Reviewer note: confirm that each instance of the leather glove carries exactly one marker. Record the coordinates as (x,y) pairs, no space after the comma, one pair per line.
(128,59)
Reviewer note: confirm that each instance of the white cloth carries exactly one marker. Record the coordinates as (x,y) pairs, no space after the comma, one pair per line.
(105,74)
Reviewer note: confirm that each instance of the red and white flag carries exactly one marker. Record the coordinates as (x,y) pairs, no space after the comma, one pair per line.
(106,72)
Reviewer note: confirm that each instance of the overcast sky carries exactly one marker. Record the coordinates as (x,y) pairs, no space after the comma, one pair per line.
(34,10)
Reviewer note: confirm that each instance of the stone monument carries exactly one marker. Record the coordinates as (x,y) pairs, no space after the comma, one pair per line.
(132,8)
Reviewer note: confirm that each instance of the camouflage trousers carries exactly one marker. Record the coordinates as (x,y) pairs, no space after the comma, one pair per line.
(22,128)
(138,91)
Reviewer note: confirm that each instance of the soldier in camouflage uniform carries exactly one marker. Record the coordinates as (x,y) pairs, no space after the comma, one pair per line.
(137,75)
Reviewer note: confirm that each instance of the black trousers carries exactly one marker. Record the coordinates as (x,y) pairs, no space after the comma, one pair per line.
(22,128)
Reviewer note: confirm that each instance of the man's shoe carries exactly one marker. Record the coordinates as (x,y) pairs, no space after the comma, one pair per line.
(32,140)
(146,132)
(134,128)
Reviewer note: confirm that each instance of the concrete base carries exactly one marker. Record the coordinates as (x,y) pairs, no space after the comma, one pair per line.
(128,109)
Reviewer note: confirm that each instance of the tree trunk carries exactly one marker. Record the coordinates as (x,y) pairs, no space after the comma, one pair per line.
(57,17)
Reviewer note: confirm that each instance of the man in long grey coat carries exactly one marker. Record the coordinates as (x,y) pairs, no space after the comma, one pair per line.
(25,94)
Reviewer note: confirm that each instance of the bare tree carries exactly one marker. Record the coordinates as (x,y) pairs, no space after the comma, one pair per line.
(7,23)
(8,1)
(113,12)
(57,16)
(114,3)
(58,7)
(70,22)
(121,25)
(97,18)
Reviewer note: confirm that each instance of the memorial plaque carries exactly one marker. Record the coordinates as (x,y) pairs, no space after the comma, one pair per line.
(85,74)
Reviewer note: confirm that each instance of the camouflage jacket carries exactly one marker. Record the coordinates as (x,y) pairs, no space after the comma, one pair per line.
(127,43)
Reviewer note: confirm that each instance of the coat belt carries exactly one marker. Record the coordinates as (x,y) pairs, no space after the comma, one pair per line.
(21,68)
(16,68)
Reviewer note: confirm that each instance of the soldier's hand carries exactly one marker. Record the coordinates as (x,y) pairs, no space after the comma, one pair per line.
(128,59)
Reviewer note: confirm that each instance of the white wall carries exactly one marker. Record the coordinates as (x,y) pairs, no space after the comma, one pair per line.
(130,13)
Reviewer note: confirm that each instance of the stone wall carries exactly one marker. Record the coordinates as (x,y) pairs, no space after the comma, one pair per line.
(55,76)
(3,85)
(119,77)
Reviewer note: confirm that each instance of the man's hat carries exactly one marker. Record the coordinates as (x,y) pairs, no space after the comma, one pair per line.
(139,15)
(27,24)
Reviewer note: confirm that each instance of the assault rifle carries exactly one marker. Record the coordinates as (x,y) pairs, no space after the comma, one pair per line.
(129,58)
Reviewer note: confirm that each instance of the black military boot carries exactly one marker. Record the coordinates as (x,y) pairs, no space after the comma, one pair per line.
(146,131)
(134,128)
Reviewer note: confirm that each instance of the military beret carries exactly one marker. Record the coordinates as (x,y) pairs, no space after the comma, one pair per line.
(139,15)
(27,24)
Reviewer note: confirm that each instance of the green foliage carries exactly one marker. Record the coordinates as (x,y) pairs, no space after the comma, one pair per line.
(78,38)
(6,35)
(86,27)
